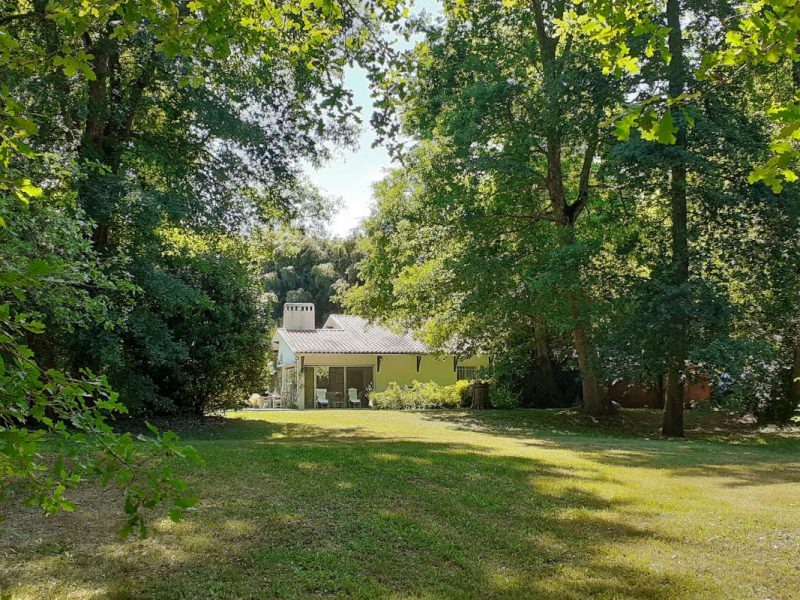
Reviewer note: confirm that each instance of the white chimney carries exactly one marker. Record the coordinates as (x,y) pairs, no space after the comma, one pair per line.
(298,316)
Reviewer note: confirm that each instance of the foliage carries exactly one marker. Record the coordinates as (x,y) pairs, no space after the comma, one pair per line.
(521,225)
(214,350)
(46,412)
(138,140)
(759,387)
(463,391)
(502,396)
(481,232)
(759,38)
(307,267)
(420,396)
(518,370)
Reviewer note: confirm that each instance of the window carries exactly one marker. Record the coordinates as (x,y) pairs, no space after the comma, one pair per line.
(466,373)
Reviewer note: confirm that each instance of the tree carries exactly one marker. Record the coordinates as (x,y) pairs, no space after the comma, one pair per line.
(160,115)
(755,34)
(673,404)
(498,84)
(307,267)
(194,132)
(466,237)
(46,412)
(440,257)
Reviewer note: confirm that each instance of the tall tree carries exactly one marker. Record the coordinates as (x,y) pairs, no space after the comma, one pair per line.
(678,343)
(137,119)
(192,117)
(564,212)
(441,256)
(303,266)
(522,113)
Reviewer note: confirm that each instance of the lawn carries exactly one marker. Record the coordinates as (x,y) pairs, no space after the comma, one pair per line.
(503,504)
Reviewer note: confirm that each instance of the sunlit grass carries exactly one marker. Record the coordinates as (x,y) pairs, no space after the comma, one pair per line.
(364,504)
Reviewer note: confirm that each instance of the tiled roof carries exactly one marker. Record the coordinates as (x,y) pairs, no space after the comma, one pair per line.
(352,335)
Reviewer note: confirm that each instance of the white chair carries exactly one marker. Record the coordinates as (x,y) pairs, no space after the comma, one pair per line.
(320,397)
(277,400)
(352,397)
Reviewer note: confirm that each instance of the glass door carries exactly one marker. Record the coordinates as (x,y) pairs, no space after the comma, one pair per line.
(330,381)
(359,382)
(342,387)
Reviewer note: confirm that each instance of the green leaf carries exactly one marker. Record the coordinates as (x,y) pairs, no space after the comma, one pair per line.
(186,501)
(667,129)
(30,190)
(623,126)
(662,130)
(38,267)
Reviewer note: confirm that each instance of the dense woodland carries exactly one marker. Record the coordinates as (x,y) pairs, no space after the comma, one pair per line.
(587,192)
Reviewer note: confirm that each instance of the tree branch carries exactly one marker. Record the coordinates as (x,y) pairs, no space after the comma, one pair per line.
(575,209)
(18,16)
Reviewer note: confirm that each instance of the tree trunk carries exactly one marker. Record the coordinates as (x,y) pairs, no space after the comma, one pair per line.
(794,384)
(544,365)
(660,394)
(672,424)
(480,396)
(110,114)
(92,150)
(595,402)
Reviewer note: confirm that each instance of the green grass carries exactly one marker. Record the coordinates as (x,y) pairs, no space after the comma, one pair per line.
(374,504)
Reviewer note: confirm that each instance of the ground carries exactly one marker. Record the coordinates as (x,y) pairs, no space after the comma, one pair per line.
(439,505)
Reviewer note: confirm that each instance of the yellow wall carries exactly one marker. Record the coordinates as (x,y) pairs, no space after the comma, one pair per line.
(401,368)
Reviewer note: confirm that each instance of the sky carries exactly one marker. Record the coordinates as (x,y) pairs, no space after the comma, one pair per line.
(349,175)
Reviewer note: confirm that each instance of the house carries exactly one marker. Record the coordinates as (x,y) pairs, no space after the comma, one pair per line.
(340,363)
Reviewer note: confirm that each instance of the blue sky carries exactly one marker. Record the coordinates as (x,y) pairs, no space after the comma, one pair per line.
(350,174)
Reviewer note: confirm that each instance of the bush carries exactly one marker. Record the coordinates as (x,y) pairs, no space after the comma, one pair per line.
(197,340)
(463,389)
(504,397)
(421,396)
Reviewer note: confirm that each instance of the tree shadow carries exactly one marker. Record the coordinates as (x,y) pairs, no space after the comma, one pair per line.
(294,511)
(770,460)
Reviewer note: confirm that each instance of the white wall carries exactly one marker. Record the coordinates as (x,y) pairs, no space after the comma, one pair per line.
(285,354)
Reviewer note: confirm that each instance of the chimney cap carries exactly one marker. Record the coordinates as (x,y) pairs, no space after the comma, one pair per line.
(299,316)
(298,306)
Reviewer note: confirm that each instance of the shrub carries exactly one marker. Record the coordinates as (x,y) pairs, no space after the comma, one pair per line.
(462,388)
(198,340)
(504,397)
(420,396)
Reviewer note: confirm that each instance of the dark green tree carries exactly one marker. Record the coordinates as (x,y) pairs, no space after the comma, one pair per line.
(307,267)
(123,123)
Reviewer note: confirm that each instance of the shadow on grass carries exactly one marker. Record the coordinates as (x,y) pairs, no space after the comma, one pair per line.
(700,425)
(293,511)
(735,453)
